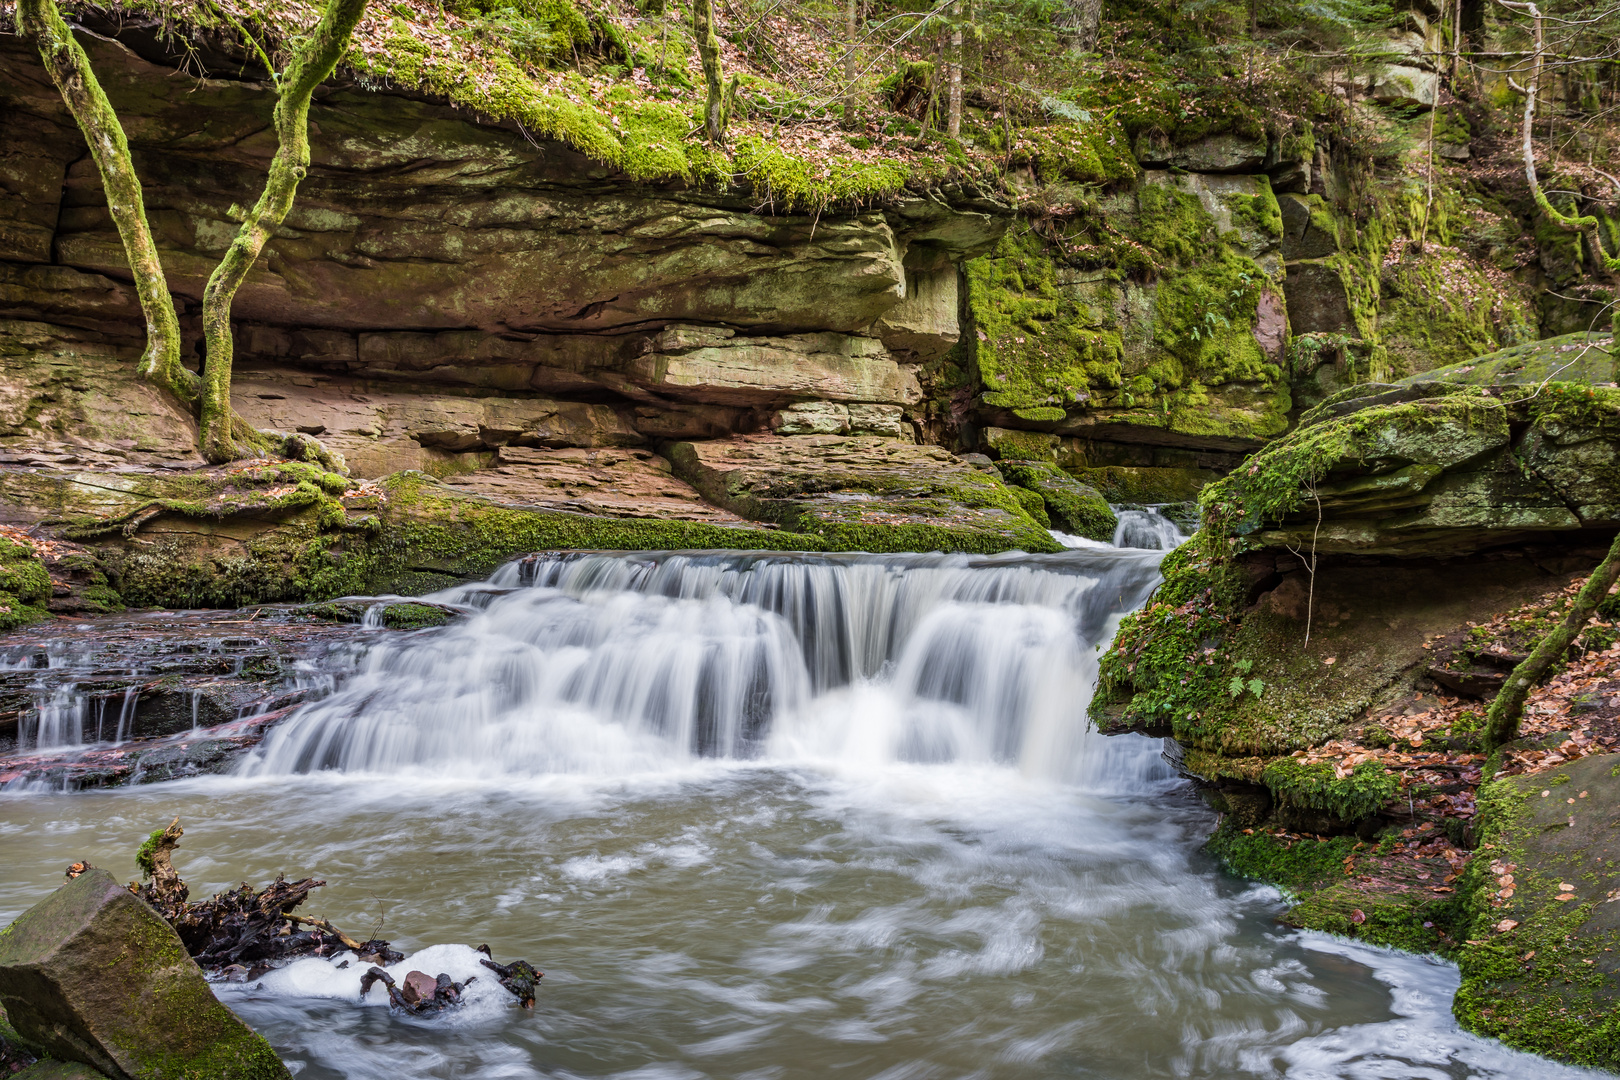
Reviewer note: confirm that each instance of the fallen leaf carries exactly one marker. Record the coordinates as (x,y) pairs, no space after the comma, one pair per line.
(1330,659)
(1566,886)
(1565,896)
(1358,917)
(1505,925)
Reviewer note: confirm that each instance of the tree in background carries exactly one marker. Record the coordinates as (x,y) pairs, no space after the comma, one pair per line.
(314,58)
(41,22)
(224,435)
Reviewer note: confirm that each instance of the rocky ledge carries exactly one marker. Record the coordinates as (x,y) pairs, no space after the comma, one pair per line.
(1322,653)
(100,701)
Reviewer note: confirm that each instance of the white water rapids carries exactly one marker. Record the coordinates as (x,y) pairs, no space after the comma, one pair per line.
(768,816)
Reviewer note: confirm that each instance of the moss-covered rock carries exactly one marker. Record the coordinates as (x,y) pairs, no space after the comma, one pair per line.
(861,494)
(92,974)
(1588,358)
(1540,967)
(24,583)
(1254,647)
(1069,506)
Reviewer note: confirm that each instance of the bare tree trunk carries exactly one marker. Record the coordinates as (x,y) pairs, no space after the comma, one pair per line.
(314,58)
(41,22)
(1456,43)
(850,102)
(1502,719)
(953,93)
(708,46)
(1575,223)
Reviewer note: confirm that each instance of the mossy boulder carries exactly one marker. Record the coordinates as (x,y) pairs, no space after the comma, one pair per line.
(1588,358)
(25,585)
(1069,505)
(1541,966)
(1150,485)
(92,974)
(1430,469)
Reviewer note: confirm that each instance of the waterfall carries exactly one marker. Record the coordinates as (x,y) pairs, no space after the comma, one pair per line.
(616,663)
(1147,528)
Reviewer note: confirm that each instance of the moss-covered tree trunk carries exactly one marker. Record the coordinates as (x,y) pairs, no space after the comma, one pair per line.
(850,102)
(41,22)
(1502,720)
(1587,225)
(708,47)
(314,58)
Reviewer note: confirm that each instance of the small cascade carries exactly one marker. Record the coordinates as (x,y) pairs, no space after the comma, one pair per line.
(1147,528)
(614,663)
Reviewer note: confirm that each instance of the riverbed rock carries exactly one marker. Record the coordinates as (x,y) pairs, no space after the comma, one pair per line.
(92,974)
(1071,506)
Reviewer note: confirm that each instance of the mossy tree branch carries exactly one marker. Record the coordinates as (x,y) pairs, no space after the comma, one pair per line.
(41,22)
(708,47)
(314,58)
(1585,224)
(1502,720)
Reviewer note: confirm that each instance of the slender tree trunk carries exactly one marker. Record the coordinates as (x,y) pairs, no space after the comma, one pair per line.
(41,22)
(314,58)
(1575,223)
(1456,43)
(850,102)
(708,46)
(1428,197)
(1502,719)
(953,93)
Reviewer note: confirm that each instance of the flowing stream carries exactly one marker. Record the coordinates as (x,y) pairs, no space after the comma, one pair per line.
(760,816)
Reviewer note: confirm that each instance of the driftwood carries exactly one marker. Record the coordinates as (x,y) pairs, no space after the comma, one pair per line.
(242,933)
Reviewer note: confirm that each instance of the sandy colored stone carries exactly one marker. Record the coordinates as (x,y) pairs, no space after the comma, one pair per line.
(612,482)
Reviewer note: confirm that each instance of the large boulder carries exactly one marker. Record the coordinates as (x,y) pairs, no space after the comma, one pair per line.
(1539,970)
(92,974)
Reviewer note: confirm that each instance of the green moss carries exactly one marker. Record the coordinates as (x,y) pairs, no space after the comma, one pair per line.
(1035,346)
(1359,795)
(1318,874)
(1292,863)
(24,585)
(1033,505)
(1538,972)
(1258,212)
(1169,664)
(1066,504)
(144,854)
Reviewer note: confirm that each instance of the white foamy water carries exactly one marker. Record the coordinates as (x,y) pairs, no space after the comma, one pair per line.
(765,816)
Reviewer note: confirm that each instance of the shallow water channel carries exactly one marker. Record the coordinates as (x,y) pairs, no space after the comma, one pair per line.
(767,816)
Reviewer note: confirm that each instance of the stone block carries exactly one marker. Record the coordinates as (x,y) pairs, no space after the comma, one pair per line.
(1317,300)
(1224,153)
(812,418)
(1309,231)
(1403,84)
(884,420)
(924,325)
(699,364)
(92,974)
(1021,445)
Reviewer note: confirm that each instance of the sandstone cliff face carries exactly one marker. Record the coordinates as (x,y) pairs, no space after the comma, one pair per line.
(514,290)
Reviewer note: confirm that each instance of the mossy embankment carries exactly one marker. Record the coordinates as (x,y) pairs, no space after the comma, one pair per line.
(1400,532)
